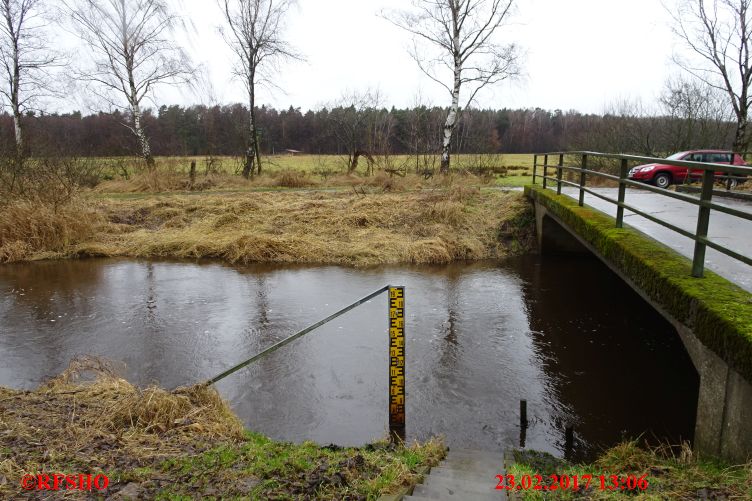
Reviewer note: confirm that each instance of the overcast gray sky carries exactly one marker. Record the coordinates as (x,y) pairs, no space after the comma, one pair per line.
(580,54)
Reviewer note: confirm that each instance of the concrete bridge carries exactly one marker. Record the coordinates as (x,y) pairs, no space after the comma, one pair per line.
(712,315)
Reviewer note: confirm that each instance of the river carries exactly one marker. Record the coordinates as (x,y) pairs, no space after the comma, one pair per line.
(563,333)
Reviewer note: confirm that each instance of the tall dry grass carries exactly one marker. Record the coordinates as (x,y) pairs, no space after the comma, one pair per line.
(356,229)
(31,228)
(101,419)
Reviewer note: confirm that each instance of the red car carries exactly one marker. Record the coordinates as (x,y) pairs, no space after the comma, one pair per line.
(663,175)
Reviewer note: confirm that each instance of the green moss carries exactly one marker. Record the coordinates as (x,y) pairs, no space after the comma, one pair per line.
(718,311)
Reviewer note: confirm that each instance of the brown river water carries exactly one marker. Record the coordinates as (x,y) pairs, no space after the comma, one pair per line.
(564,333)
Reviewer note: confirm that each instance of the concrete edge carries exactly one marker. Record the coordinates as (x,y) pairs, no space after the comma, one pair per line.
(718,311)
(407,491)
(735,195)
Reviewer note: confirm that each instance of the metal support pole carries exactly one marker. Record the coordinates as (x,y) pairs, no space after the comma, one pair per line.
(703,221)
(559,170)
(622,193)
(397,362)
(568,441)
(535,167)
(523,422)
(545,170)
(583,166)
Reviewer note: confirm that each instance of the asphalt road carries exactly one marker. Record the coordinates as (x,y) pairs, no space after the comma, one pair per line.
(730,231)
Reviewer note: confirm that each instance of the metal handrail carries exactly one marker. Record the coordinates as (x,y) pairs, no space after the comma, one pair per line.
(738,169)
(295,336)
(705,203)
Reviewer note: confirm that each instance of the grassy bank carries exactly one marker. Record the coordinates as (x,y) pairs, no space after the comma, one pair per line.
(183,444)
(339,227)
(669,475)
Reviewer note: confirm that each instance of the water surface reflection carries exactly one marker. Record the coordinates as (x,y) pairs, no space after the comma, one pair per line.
(563,333)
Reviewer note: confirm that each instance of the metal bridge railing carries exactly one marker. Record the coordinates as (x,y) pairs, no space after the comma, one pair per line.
(704,202)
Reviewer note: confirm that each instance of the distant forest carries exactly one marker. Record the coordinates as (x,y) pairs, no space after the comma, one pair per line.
(218,130)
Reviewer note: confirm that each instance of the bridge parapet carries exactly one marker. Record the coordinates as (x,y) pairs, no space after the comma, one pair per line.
(712,315)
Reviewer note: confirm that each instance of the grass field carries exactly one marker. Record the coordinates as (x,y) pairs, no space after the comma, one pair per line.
(114,166)
(127,175)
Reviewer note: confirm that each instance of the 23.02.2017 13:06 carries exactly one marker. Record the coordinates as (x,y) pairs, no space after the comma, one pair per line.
(573,482)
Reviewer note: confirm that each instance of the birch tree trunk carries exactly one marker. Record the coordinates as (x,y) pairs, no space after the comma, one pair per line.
(17,127)
(254,135)
(450,123)
(134,101)
(251,154)
(19,160)
(143,139)
(15,98)
(451,120)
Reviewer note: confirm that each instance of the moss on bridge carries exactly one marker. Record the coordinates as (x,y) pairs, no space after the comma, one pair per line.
(718,311)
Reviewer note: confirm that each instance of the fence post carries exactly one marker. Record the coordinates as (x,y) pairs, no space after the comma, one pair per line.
(397,362)
(622,193)
(703,221)
(583,166)
(558,173)
(535,167)
(192,174)
(545,169)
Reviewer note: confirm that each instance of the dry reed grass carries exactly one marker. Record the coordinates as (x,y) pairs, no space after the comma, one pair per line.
(311,227)
(30,228)
(89,415)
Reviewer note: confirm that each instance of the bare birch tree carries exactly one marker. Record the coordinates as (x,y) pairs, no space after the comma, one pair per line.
(460,35)
(255,29)
(26,59)
(133,52)
(717,33)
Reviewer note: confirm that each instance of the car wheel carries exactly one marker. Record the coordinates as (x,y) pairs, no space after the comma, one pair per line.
(662,180)
(731,184)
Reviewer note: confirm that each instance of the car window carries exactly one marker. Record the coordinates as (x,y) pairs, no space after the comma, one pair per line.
(719,158)
(695,157)
(677,156)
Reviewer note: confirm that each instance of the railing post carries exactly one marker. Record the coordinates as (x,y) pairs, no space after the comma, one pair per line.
(535,167)
(622,193)
(558,173)
(703,221)
(583,166)
(397,362)
(545,170)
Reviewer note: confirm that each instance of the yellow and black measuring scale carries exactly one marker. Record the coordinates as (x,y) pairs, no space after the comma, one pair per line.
(396,353)
(397,360)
